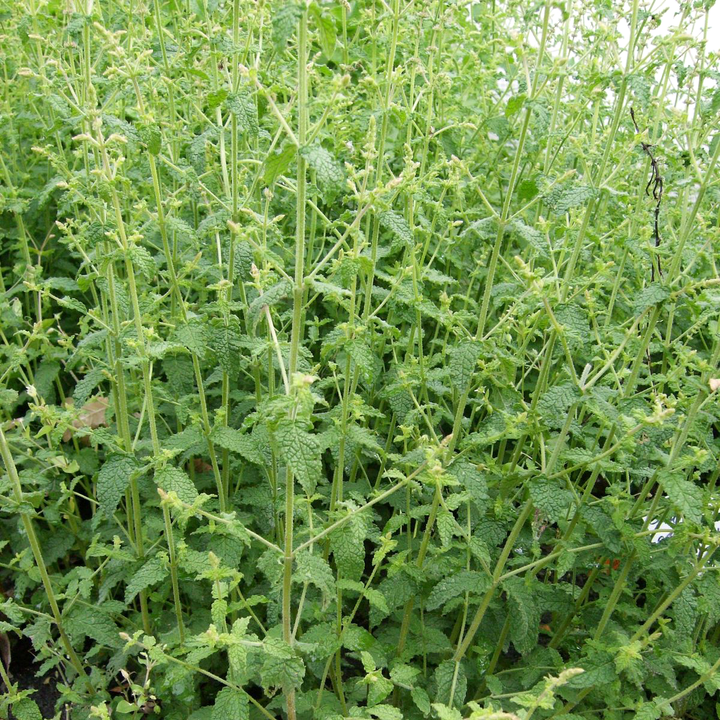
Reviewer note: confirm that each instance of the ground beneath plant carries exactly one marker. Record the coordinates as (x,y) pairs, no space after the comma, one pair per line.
(23,671)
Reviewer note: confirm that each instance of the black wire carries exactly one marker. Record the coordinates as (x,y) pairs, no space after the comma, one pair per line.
(656,182)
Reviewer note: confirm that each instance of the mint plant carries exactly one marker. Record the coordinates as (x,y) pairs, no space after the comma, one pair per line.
(360,359)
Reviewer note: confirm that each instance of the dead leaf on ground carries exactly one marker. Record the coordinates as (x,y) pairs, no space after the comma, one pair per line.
(5,655)
(201,465)
(92,415)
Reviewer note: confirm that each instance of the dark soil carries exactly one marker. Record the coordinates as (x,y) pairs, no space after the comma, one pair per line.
(22,671)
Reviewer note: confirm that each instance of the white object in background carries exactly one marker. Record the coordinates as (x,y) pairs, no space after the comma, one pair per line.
(666,530)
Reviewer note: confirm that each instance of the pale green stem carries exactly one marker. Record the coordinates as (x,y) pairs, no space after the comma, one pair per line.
(39,560)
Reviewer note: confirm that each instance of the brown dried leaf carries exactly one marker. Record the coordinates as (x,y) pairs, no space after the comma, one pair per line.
(201,465)
(92,415)
(5,655)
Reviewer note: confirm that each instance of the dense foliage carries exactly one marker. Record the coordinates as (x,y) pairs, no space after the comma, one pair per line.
(355,355)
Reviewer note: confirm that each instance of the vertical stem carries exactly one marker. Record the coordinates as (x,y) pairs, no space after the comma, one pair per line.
(287,577)
(614,596)
(137,317)
(173,571)
(39,561)
(231,254)
(197,371)
(485,603)
(381,148)
(420,561)
(296,334)
(301,193)
(501,222)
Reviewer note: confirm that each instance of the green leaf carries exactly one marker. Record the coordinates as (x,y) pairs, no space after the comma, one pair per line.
(238,442)
(603,525)
(218,611)
(575,325)
(311,568)
(229,548)
(524,615)
(364,358)
(114,480)
(463,361)
(122,127)
(329,172)
(447,527)
(44,380)
(398,227)
(641,88)
(347,543)
(94,623)
(216,98)
(515,104)
(554,404)
(237,654)
(445,673)
(151,573)
(649,710)
(421,699)
(193,335)
(446,713)
(231,704)
(684,495)
(301,451)
(272,296)
(180,227)
(714,105)
(565,562)
(457,584)
(480,551)
(684,611)
(327,35)
(551,498)
(192,561)
(26,709)
(173,479)
(143,261)
(72,304)
(214,223)
(242,106)
(153,139)
(362,437)
(180,374)
(377,600)
(650,296)
(472,480)
(284,22)
(709,586)
(485,229)
(86,385)
(277,162)
(378,689)
(225,338)
(562,200)
(384,712)
(369,666)
(533,237)
(283,668)
(599,670)
(125,708)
